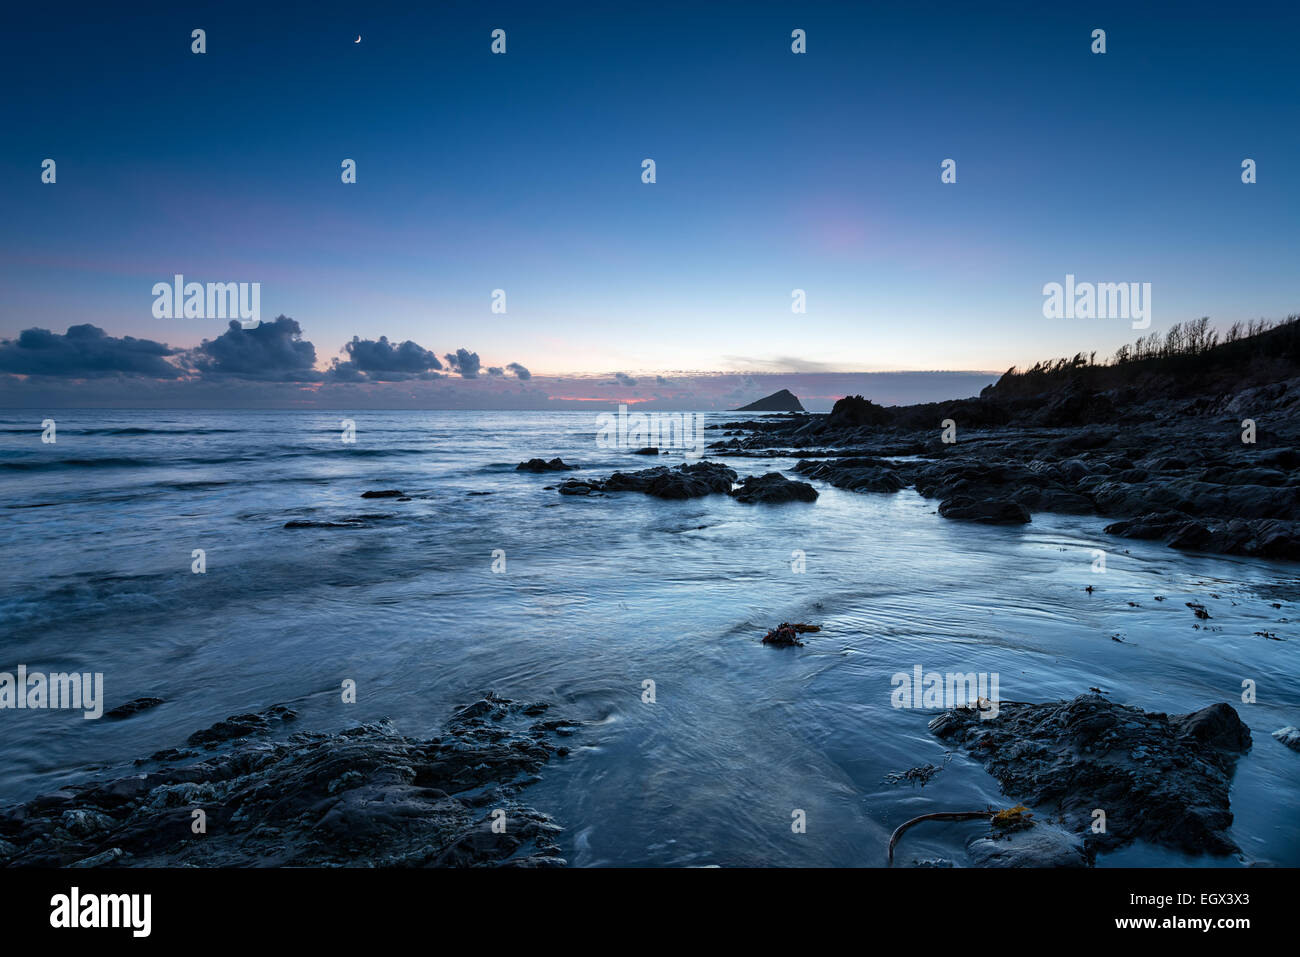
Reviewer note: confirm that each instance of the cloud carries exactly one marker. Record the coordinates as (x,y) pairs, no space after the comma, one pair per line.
(519,371)
(496,371)
(274,351)
(378,360)
(464,362)
(624,379)
(85,351)
(779,364)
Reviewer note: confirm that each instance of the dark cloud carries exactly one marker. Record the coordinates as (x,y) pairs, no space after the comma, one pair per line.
(84,351)
(274,351)
(624,379)
(662,380)
(378,360)
(519,371)
(464,362)
(496,371)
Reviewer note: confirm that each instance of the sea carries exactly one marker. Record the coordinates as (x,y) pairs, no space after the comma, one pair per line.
(640,618)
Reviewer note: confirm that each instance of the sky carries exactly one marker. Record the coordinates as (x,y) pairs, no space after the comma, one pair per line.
(522,172)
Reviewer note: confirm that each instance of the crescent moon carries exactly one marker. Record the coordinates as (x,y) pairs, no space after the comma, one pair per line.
(358,39)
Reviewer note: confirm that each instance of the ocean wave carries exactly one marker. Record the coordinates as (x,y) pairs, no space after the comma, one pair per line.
(122,430)
(49,465)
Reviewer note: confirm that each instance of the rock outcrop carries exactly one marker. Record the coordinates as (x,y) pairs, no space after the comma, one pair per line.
(1157,777)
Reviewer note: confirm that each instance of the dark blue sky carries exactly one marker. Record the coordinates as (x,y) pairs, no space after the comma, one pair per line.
(775,172)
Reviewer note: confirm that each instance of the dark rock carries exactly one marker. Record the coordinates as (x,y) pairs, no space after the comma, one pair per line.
(689,480)
(854,410)
(786,635)
(1158,778)
(541,465)
(364,797)
(773,488)
(648,450)
(385,493)
(132,707)
(1076,407)
(855,474)
(1153,525)
(989,511)
(241,726)
(782,401)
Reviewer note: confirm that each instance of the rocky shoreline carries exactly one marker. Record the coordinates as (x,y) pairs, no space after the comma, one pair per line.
(366,796)
(1164,470)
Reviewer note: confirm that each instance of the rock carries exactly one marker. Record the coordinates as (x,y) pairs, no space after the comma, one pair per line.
(1158,778)
(856,474)
(689,480)
(1190,535)
(990,511)
(110,856)
(1077,407)
(1053,498)
(854,410)
(385,493)
(1214,726)
(363,797)
(132,707)
(1041,845)
(1290,736)
(773,488)
(782,401)
(541,465)
(648,450)
(786,635)
(241,726)
(1152,525)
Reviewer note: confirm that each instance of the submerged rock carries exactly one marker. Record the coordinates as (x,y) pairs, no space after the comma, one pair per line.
(541,465)
(786,635)
(1290,736)
(367,796)
(132,707)
(384,493)
(1157,777)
